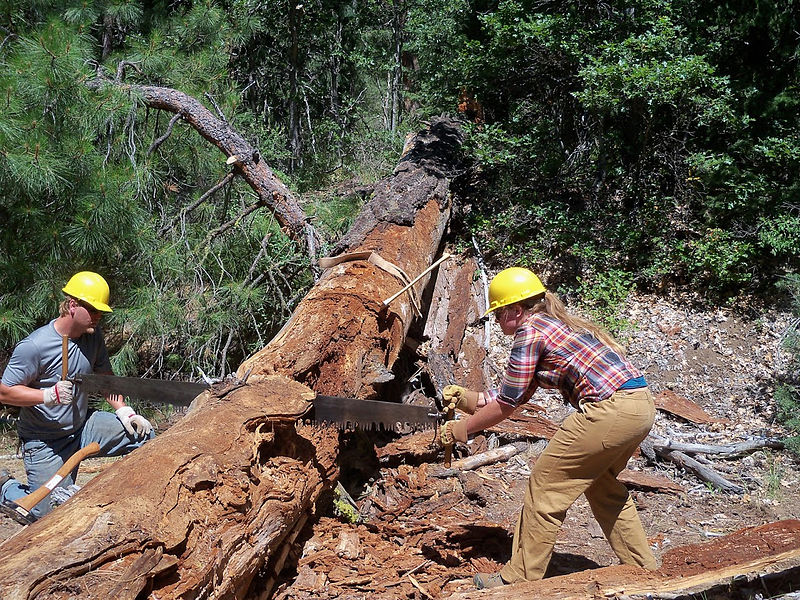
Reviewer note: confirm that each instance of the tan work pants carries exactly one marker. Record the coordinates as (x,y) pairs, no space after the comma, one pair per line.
(585,456)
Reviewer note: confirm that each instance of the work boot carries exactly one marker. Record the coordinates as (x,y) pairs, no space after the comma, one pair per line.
(488,580)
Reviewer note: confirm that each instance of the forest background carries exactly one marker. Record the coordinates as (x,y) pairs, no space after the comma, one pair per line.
(612,146)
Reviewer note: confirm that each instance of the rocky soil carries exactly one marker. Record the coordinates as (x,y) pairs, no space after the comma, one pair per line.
(424,536)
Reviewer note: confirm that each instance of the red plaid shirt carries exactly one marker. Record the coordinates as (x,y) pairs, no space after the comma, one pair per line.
(546,353)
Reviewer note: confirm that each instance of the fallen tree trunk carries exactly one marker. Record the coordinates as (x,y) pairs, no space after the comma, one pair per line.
(209,509)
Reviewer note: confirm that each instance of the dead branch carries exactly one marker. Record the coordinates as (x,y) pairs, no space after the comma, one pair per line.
(702,471)
(479,460)
(225,226)
(160,140)
(224,181)
(124,64)
(726,451)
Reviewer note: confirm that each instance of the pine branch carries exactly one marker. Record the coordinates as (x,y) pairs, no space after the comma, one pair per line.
(225,226)
(123,64)
(154,146)
(224,181)
(216,107)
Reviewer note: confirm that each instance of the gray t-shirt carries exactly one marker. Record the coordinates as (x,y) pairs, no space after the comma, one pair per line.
(36,363)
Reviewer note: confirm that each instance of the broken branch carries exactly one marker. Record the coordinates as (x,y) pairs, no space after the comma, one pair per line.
(727,450)
(703,472)
(479,460)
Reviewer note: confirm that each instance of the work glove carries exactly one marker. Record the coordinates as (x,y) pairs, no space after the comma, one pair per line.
(136,425)
(460,398)
(58,395)
(453,431)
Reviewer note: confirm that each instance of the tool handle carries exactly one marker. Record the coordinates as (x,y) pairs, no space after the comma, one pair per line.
(444,257)
(32,499)
(448,450)
(64,357)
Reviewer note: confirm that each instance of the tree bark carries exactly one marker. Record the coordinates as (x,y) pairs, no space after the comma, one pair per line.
(211,508)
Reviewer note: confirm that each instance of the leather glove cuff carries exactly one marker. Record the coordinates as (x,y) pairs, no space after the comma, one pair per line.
(469,401)
(454,431)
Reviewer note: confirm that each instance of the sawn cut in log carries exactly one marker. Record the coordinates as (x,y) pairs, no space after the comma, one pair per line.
(210,508)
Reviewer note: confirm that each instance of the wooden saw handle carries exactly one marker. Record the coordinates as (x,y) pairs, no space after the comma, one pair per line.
(448,450)
(32,499)
(64,357)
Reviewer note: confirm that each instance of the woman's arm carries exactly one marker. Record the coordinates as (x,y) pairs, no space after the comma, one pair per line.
(488,416)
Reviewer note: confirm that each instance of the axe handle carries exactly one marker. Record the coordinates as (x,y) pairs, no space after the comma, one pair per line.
(32,499)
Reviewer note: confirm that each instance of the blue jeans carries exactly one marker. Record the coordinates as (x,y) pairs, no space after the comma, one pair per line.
(44,457)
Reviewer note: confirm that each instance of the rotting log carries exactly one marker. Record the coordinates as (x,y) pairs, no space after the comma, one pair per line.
(343,315)
(457,338)
(687,570)
(207,510)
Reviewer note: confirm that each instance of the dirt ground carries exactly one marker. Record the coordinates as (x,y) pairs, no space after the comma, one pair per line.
(419,535)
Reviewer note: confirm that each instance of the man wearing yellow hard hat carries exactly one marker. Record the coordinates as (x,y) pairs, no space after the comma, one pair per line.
(55,420)
(614,411)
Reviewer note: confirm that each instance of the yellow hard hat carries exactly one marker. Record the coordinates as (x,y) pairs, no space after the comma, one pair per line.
(89,287)
(512,285)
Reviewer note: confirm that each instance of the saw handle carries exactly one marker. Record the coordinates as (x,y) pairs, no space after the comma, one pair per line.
(448,450)
(64,357)
(32,499)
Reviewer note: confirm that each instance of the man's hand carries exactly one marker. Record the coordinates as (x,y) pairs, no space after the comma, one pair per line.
(136,425)
(461,398)
(453,431)
(58,395)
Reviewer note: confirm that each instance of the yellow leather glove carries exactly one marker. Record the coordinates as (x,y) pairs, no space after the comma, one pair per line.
(461,398)
(453,431)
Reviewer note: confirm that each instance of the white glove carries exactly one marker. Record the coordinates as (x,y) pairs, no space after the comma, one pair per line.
(58,395)
(136,425)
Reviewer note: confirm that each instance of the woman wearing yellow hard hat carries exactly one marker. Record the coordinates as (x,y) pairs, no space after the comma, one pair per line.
(555,349)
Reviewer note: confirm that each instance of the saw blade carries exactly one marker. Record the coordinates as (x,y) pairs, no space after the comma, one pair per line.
(160,391)
(352,413)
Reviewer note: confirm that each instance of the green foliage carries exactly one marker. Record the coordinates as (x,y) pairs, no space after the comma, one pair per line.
(603,295)
(654,127)
(78,177)
(343,505)
(616,145)
(787,392)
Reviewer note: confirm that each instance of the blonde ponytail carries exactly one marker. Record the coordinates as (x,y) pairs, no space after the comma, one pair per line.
(553,306)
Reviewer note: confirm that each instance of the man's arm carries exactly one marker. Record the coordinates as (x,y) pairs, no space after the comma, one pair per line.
(20,395)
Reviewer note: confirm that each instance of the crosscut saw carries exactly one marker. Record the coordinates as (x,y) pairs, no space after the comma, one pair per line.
(345,413)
